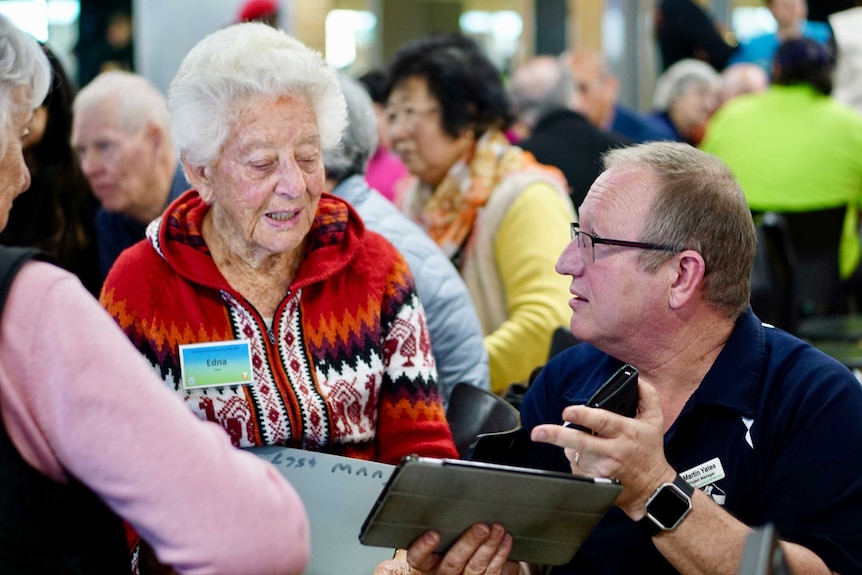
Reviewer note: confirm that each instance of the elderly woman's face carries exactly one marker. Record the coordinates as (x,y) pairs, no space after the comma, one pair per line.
(692,108)
(14,175)
(266,183)
(416,131)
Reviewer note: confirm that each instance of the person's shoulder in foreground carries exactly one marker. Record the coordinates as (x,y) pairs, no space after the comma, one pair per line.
(110,424)
(88,436)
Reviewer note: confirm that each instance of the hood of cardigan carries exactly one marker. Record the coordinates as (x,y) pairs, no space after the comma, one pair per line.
(335,237)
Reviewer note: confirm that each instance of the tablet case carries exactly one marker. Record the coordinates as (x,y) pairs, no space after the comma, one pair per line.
(548,513)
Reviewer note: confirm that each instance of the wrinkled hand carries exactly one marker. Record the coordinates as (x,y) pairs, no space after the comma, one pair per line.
(629,449)
(395,566)
(481,549)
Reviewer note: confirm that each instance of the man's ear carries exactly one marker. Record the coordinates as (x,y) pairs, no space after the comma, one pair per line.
(688,281)
(156,136)
(199,178)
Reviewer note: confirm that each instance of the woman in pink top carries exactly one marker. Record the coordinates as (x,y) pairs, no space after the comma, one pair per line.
(88,435)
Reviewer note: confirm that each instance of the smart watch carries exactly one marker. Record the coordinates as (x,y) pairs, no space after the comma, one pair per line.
(667,507)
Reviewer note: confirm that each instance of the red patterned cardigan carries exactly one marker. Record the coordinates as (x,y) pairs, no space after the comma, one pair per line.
(346,367)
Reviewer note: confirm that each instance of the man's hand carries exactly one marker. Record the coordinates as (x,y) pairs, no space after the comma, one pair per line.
(481,549)
(629,449)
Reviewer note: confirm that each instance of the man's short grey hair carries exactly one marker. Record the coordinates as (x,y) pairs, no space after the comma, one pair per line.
(136,101)
(677,79)
(540,86)
(23,64)
(699,206)
(247,59)
(359,140)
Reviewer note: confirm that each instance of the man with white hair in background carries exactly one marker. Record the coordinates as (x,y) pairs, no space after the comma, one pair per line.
(548,105)
(121,135)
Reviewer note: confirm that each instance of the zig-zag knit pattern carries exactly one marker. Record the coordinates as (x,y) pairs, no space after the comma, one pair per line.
(347,365)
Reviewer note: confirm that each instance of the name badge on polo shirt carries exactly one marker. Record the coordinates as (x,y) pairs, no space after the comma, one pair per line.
(216,364)
(704,474)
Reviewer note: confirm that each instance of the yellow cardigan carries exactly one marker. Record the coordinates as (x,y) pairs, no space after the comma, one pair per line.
(519,297)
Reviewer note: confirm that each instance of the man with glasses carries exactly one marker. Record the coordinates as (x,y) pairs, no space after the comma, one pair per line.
(739,424)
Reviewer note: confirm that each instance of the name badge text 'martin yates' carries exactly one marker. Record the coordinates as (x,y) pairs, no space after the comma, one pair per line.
(216,364)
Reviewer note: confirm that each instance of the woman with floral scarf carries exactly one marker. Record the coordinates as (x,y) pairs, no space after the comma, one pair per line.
(499,215)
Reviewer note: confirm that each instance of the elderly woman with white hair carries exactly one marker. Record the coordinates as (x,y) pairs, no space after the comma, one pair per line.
(685,97)
(262,301)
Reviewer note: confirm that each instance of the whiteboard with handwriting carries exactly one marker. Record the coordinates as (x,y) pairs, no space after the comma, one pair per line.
(338,492)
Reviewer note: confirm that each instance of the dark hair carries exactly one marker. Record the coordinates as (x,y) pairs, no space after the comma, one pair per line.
(804,61)
(459,75)
(374,82)
(56,214)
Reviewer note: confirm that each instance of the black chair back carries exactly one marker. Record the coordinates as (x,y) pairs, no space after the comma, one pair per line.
(816,237)
(474,411)
(773,295)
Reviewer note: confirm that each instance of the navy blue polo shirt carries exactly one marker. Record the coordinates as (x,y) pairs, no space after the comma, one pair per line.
(773,434)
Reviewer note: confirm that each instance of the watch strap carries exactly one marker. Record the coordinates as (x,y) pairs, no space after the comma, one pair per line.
(647,523)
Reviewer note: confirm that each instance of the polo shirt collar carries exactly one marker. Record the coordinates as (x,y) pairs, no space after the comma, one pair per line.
(734,378)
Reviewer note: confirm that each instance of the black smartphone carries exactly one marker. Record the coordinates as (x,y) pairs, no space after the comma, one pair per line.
(619,393)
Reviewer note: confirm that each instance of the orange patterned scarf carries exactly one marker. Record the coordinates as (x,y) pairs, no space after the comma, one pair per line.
(448,212)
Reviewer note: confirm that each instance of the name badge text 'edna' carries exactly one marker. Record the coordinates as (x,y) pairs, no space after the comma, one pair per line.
(216,364)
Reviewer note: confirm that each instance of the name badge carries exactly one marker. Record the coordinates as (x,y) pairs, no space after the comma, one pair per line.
(216,364)
(704,474)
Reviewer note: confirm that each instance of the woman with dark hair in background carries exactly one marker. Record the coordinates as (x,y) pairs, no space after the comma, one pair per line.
(56,214)
(499,215)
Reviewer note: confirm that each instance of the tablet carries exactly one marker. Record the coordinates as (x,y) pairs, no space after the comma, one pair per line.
(548,513)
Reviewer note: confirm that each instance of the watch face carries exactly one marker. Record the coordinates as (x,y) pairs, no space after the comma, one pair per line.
(669,506)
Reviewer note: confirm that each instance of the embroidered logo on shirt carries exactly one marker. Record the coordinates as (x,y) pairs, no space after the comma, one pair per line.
(716,493)
(704,477)
(748,422)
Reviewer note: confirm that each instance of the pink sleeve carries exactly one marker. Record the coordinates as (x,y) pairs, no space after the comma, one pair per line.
(77,398)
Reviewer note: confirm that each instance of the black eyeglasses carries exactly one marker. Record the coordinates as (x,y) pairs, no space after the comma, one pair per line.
(587,242)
